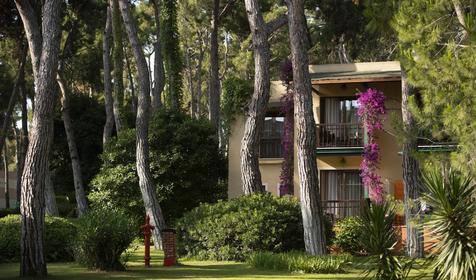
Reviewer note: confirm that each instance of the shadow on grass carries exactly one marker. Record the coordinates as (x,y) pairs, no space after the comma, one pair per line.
(188,269)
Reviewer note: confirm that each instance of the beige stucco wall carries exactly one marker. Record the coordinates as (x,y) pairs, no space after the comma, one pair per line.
(391,162)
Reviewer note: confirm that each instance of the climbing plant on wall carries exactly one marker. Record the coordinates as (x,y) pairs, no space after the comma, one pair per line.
(287,109)
(372,114)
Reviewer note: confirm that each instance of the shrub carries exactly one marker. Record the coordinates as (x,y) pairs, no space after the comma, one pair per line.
(231,230)
(299,262)
(452,223)
(379,240)
(347,235)
(9,211)
(103,235)
(185,163)
(59,238)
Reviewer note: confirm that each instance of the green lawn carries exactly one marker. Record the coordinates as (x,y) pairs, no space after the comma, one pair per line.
(186,270)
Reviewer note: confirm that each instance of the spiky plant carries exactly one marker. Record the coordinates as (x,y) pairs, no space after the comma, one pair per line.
(452,197)
(379,241)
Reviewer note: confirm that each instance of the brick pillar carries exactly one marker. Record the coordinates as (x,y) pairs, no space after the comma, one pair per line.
(169,246)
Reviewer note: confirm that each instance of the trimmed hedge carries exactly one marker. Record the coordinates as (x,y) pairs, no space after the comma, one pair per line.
(299,262)
(232,230)
(59,237)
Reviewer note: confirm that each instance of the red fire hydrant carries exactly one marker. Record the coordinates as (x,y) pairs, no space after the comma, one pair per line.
(147,229)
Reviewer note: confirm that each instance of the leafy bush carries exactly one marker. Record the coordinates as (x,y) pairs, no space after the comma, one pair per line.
(186,166)
(231,230)
(9,211)
(103,235)
(59,237)
(452,223)
(299,262)
(379,242)
(347,234)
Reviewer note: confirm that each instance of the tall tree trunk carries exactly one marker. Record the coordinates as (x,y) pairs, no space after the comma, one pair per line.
(118,66)
(44,48)
(22,139)
(106,59)
(189,72)
(214,88)
(198,73)
(147,187)
(314,233)
(411,176)
(7,179)
(51,207)
(159,72)
(13,99)
(80,195)
(250,174)
(131,84)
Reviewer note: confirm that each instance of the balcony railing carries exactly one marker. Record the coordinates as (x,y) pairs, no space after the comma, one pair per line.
(339,209)
(270,148)
(340,135)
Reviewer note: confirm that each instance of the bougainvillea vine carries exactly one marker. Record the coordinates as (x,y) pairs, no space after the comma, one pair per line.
(287,109)
(372,114)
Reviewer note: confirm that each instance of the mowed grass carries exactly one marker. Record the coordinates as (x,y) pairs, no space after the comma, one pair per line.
(187,269)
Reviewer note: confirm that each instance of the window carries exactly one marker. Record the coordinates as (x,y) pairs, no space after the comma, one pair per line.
(340,125)
(341,192)
(271,137)
(339,110)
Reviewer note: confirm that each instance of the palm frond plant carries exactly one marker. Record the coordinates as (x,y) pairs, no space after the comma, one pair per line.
(452,223)
(379,238)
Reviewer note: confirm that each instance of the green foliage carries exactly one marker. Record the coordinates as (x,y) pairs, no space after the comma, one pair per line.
(236,96)
(440,64)
(379,241)
(232,230)
(347,235)
(9,211)
(299,262)
(88,119)
(103,235)
(185,164)
(171,52)
(453,223)
(59,236)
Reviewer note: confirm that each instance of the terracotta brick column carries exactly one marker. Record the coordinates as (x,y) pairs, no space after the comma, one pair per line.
(169,245)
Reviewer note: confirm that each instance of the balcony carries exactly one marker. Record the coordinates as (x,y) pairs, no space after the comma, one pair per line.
(339,138)
(271,148)
(339,209)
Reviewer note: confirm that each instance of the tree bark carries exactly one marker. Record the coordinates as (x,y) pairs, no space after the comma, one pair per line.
(13,99)
(108,99)
(250,173)
(146,184)
(314,233)
(411,176)
(189,72)
(44,48)
(159,72)
(51,207)
(461,18)
(22,139)
(81,202)
(7,186)
(118,66)
(198,73)
(214,88)
(131,84)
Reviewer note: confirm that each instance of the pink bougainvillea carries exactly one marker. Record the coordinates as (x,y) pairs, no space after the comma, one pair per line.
(371,112)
